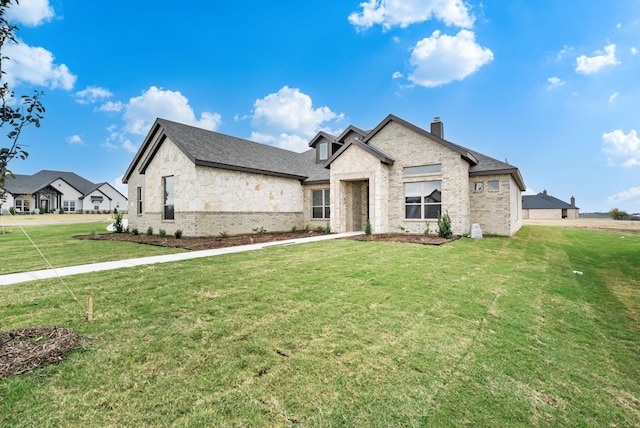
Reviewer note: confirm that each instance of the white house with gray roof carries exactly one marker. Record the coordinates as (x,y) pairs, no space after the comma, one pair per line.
(396,176)
(546,207)
(53,190)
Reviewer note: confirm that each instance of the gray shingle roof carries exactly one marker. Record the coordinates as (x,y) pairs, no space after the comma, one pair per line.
(29,184)
(543,201)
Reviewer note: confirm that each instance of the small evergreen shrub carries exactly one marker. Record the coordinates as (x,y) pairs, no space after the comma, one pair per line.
(162,233)
(178,234)
(135,231)
(327,228)
(426,229)
(367,228)
(259,229)
(12,210)
(60,210)
(41,210)
(294,228)
(224,234)
(149,231)
(117,224)
(444,226)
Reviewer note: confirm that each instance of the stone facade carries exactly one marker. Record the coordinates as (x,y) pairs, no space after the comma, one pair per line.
(496,197)
(210,201)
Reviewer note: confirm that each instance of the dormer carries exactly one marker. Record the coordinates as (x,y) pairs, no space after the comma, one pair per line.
(325,145)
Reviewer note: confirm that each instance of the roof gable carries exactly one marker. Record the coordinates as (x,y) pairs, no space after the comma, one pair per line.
(212,149)
(543,201)
(372,150)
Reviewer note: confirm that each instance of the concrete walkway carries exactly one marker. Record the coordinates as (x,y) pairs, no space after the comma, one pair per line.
(16,278)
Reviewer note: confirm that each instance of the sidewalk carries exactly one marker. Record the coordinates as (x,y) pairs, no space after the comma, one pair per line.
(16,278)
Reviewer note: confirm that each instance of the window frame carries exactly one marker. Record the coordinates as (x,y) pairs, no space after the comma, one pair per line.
(323,145)
(69,206)
(139,200)
(168,209)
(492,183)
(478,186)
(324,206)
(426,208)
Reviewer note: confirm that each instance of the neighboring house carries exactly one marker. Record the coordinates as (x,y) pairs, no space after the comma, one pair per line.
(52,190)
(397,176)
(545,207)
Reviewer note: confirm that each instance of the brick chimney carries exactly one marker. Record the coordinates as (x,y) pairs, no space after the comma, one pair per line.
(573,202)
(437,127)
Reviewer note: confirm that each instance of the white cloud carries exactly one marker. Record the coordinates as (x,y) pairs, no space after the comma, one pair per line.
(118,140)
(111,106)
(30,12)
(565,51)
(390,13)
(630,194)
(397,75)
(634,51)
(120,186)
(288,119)
(590,65)
(35,65)
(441,59)
(142,111)
(555,82)
(92,94)
(613,97)
(624,149)
(75,139)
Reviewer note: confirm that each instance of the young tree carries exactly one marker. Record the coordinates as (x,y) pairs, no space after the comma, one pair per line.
(617,214)
(14,114)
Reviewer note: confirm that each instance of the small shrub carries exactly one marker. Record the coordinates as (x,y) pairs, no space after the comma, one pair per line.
(320,229)
(403,229)
(426,229)
(162,233)
(367,228)
(294,228)
(41,210)
(12,210)
(327,228)
(259,229)
(617,214)
(117,224)
(135,231)
(444,226)
(178,234)
(60,210)
(224,234)
(149,231)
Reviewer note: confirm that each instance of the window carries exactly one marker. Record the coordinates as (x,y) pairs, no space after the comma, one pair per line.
(323,151)
(96,207)
(320,204)
(423,199)
(167,189)
(494,185)
(69,206)
(22,205)
(423,169)
(478,186)
(139,200)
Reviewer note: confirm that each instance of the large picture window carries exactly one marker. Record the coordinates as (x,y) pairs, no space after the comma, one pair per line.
(320,204)
(423,199)
(22,205)
(168,192)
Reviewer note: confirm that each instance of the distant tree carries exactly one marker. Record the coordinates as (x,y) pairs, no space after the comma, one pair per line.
(14,114)
(617,214)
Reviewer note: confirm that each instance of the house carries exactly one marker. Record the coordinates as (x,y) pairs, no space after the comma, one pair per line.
(52,190)
(396,176)
(545,207)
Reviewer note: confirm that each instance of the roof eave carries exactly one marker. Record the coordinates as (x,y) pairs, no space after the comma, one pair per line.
(210,164)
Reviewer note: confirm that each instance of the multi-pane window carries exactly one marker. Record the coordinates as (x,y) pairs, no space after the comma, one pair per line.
(423,199)
(494,185)
(168,192)
(69,206)
(139,200)
(22,205)
(320,204)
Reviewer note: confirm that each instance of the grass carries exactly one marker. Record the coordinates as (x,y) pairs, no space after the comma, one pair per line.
(491,332)
(57,244)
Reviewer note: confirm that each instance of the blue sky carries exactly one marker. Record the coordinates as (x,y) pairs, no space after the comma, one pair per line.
(551,86)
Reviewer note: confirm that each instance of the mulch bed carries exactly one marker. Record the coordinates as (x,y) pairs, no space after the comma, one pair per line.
(212,242)
(23,350)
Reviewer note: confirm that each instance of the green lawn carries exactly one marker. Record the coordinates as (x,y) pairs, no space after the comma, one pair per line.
(22,249)
(494,332)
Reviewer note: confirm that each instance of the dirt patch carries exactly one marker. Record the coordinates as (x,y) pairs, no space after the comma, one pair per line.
(404,237)
(201,242)
(212,242)
(23,350)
